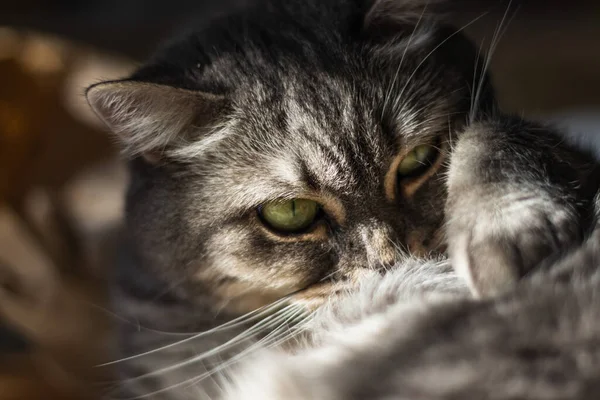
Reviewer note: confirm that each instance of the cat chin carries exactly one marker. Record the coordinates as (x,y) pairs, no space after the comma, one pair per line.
(238,298)
(345,324)
(316,296)
(410,278)
(327,292)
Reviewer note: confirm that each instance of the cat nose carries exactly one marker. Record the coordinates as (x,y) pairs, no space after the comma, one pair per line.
(380,245)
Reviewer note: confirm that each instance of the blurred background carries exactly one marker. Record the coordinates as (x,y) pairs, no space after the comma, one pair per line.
(61,182)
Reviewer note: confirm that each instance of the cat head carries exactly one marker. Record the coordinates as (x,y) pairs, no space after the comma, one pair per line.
(295,145)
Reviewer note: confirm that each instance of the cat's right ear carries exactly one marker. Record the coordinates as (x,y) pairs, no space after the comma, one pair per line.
(386,18)
(405,11)
(151,120)
(425,25)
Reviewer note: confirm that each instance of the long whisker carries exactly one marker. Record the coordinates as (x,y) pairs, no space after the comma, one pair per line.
(273,321)
(297,330)
(272,339)
(249,317)
(266,323)
(136,324)
(213,352)
(268,341)
(196,379)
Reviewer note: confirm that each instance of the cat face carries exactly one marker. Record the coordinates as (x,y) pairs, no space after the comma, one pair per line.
(266,161)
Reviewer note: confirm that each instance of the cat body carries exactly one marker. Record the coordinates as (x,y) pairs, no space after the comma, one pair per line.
(369,119)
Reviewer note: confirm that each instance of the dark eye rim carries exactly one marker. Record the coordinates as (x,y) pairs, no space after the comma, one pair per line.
(320,216)
(429,162)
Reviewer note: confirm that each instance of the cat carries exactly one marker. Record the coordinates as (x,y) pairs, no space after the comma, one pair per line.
(282,154)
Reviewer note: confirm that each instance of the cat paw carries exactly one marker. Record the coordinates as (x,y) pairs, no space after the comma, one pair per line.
(494,244)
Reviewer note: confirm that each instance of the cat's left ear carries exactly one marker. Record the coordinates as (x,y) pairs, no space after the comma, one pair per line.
(151,120)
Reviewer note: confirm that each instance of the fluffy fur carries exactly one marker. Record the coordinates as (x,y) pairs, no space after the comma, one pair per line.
(536,342)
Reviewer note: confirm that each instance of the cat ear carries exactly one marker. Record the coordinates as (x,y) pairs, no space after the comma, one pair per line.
(403,24)
(149,119)
(388,18)
(404,12)
(418,24)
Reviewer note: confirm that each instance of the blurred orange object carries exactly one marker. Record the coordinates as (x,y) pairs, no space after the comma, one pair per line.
(25,377)
(46,137)
(46,286)
(41,143)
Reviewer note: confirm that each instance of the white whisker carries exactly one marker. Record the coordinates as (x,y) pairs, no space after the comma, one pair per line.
(265,342)
(195,380)
(266,323)
(326,277)
(137,324)
(246,318)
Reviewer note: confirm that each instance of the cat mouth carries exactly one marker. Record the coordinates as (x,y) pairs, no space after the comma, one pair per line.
(318,294)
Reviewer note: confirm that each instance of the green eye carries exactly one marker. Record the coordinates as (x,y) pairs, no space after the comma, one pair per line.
(419,159)
(290,215)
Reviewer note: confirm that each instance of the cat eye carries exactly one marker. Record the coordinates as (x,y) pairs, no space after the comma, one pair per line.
(417,161)
(290,216)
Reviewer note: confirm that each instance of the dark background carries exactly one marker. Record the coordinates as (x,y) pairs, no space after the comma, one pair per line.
(547,60)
